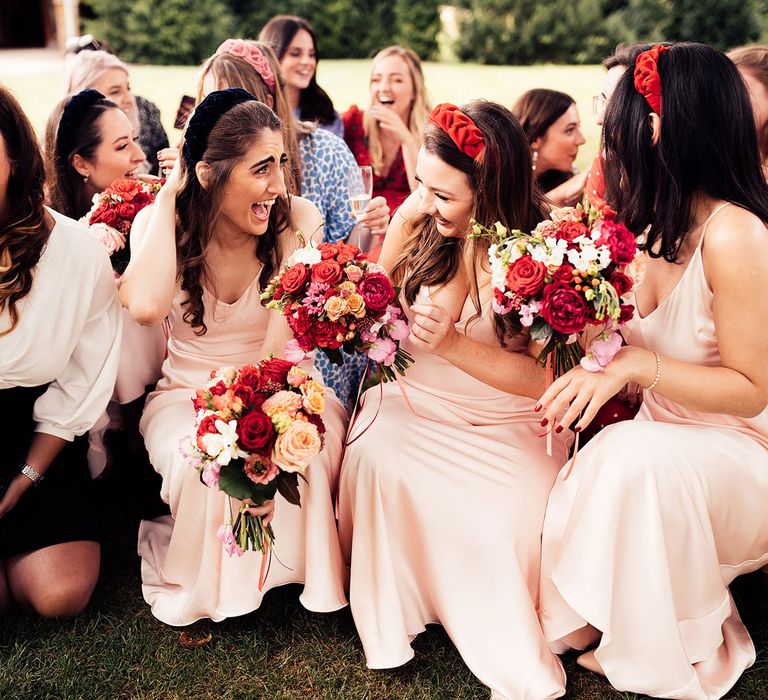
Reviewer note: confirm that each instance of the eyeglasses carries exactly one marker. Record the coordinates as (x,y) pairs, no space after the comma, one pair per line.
(598,105)
(76,44)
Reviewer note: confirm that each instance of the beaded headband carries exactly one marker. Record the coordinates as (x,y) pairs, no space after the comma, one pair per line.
(74,111)
(462,130)
(647,79)
(204,118)
(252,55)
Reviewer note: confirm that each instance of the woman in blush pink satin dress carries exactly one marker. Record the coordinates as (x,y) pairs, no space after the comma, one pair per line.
(661,513)
(206,280)
(442,495)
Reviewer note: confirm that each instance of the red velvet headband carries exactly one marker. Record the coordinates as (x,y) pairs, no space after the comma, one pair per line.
(647,80)
(462,130)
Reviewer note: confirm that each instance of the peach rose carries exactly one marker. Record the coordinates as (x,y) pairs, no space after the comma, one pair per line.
(353,272)
(335,307)
(314,396)
(287,402)
(347,288)
(356,305)
(297,376)
(296,446)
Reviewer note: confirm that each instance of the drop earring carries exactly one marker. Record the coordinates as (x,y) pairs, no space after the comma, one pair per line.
(535,158)
(85,179)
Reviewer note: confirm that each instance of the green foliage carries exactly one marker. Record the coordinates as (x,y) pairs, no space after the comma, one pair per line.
(584,31)
(168,32)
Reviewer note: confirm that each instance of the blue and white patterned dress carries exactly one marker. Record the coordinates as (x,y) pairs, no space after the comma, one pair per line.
(325,164)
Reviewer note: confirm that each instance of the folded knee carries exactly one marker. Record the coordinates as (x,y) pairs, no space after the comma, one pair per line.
(65,599)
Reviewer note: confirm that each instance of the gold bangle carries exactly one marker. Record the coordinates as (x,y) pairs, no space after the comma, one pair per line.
(658,373)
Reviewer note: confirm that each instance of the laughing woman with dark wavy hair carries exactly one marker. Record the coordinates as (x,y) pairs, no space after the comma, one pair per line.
(219,230)
(59,333)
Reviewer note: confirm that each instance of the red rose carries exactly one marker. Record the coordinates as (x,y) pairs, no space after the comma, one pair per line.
(571,230)
(256,432)
(294,278)
(208,425)
(218,389)
(564,274)
(347,253)
(621,283)
(109,217)
(126,211)
(326,334)
(244,393)
(328,250)
(377,292)
(620,242)
(627,312)
(250,376)
(526,276)
(564,309)
(276,370)
(328,271)
(125,189)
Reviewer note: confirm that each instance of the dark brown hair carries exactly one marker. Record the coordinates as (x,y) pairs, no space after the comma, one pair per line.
(199,207)
(23,230)
(66,191)
(314,103)
(502,183)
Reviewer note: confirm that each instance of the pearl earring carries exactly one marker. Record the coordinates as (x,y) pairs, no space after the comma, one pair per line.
(535,158)
(85,179)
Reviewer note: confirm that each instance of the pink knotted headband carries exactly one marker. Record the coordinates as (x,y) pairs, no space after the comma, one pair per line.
(647,79)
(462,130)
(252,55)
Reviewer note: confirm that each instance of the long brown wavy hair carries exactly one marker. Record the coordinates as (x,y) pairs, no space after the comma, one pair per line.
(502,182)
(199,207)
(23,229)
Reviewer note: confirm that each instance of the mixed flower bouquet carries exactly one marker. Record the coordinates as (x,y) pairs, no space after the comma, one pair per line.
(572,272)
(256,430)
(333,297)
(113,212)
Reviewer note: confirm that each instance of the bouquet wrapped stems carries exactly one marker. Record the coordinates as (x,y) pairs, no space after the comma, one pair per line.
(250,532)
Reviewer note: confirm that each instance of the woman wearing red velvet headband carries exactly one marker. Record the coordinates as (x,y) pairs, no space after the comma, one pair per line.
(443,496)
(661,513)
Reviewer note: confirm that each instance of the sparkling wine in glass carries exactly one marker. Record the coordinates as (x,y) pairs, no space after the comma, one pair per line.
(360,188)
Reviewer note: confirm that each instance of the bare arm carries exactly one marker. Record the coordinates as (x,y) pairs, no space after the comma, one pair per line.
(735,262)
(148,284)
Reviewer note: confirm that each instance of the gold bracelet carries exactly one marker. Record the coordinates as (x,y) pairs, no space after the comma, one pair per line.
(658,373)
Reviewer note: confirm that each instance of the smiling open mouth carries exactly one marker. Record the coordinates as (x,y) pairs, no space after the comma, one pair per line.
(261,209)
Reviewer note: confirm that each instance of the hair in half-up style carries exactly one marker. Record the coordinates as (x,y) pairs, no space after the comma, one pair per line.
(231,135)
(23,229)
(500,178)
(707,145)
(74,128)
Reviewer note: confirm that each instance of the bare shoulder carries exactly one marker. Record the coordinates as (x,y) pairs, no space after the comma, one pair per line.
(306,218)
(736,243)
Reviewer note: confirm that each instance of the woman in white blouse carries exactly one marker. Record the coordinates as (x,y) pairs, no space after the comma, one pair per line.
(60,326)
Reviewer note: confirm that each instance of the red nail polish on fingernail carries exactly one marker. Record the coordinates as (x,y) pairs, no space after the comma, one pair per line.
(537,407)
(577,429)
(544,421)
(559,429)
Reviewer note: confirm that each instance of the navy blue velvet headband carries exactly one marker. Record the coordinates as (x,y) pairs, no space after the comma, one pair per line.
(71,118)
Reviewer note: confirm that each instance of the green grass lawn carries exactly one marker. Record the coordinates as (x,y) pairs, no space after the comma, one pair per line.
(347,83)
(116,649)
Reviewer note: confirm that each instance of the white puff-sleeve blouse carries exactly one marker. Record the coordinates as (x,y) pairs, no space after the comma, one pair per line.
(68,333)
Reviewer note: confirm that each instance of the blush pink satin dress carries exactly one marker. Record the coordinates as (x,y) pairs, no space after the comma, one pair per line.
(658,517)
(440,517)
(186,574)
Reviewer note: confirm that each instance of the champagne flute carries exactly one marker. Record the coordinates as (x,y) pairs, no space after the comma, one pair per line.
(360,188)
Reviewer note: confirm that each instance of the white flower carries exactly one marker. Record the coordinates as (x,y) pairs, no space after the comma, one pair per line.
(222,446)
(308,255)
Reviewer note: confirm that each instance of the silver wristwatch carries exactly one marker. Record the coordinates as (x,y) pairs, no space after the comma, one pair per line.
(31,473)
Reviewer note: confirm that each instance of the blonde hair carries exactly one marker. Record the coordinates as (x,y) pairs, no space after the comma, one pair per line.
(419,109)
(231,71)
(83,69)
(754,60)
